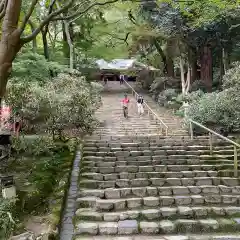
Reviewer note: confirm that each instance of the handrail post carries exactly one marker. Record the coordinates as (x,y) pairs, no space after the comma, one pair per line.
(235,162)
(191,129)
(210,143)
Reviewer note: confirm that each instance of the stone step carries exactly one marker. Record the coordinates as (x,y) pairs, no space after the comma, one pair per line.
(153,146)
(159,168)
(148,166)
(118,135)
(129,227)
(154,174)
(130,124)
(113,193)
(157,201)
(159,138)
(157,182)
(167,138)
(235,236)
(134,157)
(139,151)
(151,174)
(128,132)
(146,142)
(158,214)
(112,159)
(158,153)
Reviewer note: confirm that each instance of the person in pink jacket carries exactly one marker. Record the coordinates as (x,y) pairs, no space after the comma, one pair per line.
(125,102)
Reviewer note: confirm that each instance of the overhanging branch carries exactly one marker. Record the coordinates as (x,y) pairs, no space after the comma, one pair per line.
(54,15)
(28,15)
(119,38)
(78,14)
(46,21)
(50,10)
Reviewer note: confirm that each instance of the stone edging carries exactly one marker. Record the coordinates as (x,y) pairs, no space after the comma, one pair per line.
(67,227)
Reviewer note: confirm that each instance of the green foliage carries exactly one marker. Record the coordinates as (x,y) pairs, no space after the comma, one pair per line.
(190,97)
(64,103)
(222,109)
(46,162)
(166,96)
(232,77)
(7,216)
(33,145)
(161,83)
(45,176)
(104,36)
(198,85)
(34,67)
(204,11)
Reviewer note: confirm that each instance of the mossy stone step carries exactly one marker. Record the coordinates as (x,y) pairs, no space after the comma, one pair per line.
(158,214)
(131,227)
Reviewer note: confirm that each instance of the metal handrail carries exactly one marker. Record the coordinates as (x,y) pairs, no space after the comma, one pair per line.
(150,111)
(211,133)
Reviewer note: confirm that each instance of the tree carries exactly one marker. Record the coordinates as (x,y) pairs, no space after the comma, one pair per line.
(13,36)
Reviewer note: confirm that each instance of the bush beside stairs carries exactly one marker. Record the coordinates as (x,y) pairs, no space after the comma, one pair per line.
(138,184)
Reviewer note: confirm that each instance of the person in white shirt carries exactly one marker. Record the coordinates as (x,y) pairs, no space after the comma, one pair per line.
(140,105)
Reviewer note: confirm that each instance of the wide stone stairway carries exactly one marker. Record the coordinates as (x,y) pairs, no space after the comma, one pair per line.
(137,184)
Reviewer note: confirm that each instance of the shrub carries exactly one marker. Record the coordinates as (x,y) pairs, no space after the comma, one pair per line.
(34,67)
(232,77)
(217,81)
(67,102)
(45,162)
(33,145)
(145,77)
(161,83)
(166,96)
(192,96)
(218,109)
(7,211)
(198,85)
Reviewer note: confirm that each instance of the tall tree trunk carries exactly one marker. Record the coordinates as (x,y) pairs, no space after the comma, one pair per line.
(192,59)
(167,60)
(226,60)
(10,43)
(206,67)
(65,47)
(34,41)
(169,55)
(221,65)
(160,51)
(70,45)
(45,44)
(185,82)
(170,67)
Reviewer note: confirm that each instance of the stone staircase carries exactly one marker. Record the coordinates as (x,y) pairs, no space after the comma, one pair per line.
(136,184)
(113,123)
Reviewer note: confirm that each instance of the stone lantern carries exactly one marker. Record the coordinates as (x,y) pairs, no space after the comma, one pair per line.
(8,187)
